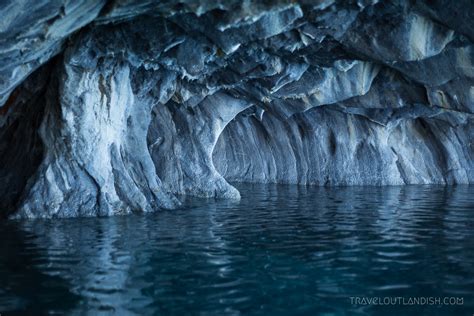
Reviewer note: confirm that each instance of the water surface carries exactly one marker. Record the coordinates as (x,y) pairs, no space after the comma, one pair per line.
(281,250)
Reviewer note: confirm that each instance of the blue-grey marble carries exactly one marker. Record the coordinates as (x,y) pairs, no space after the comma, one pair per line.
(117,107)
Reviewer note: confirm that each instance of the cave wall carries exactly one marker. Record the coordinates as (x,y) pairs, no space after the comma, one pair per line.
(149,100)
(359,141)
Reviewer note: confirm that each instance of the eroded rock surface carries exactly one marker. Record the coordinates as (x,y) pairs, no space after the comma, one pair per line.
(31,32)
(149,100)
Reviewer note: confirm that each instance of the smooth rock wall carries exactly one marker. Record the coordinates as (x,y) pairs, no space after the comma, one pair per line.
(324,146)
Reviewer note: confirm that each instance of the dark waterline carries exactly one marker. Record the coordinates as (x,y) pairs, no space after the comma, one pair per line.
(280,250)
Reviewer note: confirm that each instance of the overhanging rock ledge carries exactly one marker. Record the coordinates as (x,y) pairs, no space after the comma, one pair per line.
(114,107)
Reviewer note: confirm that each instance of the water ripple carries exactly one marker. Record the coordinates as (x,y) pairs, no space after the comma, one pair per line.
(280,250)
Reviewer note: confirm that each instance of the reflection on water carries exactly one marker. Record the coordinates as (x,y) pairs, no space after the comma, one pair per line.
(280,250)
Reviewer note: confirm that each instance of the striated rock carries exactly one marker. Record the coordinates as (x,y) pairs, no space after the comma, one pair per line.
(395,33)
(182,141)
(21,148)
(96,160)
(31,32)
(151,100)
(326,146)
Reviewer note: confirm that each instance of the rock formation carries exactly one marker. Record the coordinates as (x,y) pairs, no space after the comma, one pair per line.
(113,107)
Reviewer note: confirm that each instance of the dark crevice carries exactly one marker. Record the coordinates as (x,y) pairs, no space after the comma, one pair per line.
(21,148)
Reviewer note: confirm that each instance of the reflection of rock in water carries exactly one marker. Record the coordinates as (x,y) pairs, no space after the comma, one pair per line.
(215,255)
(157,99)
(27,288)
(102,262)
(93,257)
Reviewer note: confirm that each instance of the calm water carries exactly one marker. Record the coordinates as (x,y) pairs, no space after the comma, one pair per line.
(281,250)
